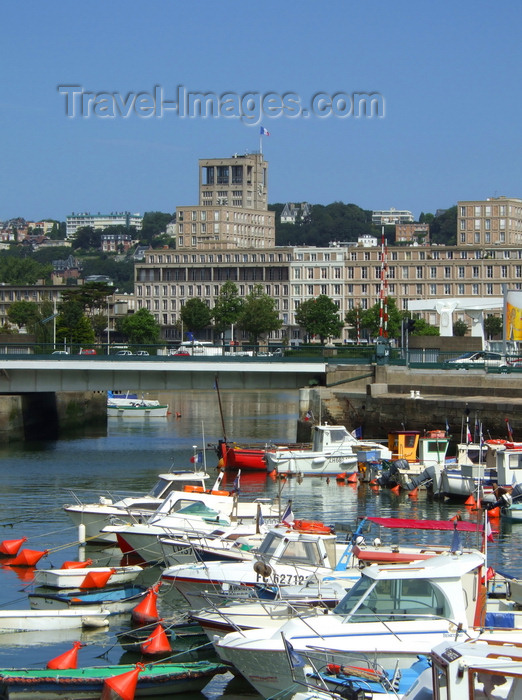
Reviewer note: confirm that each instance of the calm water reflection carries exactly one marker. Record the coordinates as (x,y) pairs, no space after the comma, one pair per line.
(37,480)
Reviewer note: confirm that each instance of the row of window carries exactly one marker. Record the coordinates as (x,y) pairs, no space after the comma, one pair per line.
(205,215)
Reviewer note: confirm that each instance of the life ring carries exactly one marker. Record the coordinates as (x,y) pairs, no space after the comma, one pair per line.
(312,526)
(263,569)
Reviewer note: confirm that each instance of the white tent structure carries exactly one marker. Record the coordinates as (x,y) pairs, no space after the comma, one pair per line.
(474,307)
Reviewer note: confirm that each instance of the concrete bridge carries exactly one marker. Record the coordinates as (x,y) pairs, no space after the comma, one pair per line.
(29,374)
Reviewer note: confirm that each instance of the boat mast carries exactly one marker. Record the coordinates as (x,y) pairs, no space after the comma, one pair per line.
(216,385)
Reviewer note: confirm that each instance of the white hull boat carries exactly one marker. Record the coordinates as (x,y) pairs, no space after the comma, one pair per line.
(113,601)
(93,517)
(334,451)
(75,578)
(285,558)
(42,620)
(392,614)
(120,405)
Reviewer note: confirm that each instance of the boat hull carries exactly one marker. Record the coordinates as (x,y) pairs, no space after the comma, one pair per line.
(137,411)
(160,679)
(115,601)
(74,578)
(42,620)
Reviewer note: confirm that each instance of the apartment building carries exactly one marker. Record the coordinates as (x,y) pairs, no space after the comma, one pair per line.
(496,220)
(348,274)
(412,233)
(230,236)
(76,221)
(385,217)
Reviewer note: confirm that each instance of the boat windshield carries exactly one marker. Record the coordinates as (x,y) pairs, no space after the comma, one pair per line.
(202,511)
(397,599)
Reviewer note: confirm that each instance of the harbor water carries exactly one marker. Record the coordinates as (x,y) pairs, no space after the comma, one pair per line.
(37,479)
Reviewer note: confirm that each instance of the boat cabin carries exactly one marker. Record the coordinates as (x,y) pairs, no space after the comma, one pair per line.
(293,547)
(327,436)
(177,481)
(480,668)
(443,586)
(404,444)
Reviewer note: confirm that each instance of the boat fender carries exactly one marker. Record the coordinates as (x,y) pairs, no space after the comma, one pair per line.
(312,526)
(193,489)
(263,569)
(220,493)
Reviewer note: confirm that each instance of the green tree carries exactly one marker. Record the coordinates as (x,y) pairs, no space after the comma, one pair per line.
(258,315)
(17,270)
(72,325)
(460,328)
(227,307)
(87,238)
(195,315)
(493,326)
(443,228)
(23,313)
(320,317)
(139,328)
(153,225)
(422,327)
(92,297)
(370,320)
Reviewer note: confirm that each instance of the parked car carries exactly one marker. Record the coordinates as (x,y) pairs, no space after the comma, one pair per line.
(87,351)
(481,358)
(60,352)
(123,353)
(142,353)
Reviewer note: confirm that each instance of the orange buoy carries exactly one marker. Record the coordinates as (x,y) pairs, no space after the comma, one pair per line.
(470,500)
(10,548)
(27,557)
(146,612)
(413,493)
(352,478)
(494,513)
(123,686)
(395,489)
(69,659)
(96,579)
(156,643)
(341,477)
(76,564)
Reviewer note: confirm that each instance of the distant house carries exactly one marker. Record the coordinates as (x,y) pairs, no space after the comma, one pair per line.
(70,268)
(139,253)
(294,212)
(412,233)
(116,242)
(384,217)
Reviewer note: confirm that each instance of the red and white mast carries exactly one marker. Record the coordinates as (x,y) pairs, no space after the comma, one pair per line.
(383,297)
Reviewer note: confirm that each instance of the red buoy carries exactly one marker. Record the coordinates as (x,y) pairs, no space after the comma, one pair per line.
(470,501)
(96,579)
(76,564)
(395,489)
(156,643)
(69,659)
(352,478)
(146,612)
(9,548)
(27,557)
(122,687)
(493,513)
(413,493)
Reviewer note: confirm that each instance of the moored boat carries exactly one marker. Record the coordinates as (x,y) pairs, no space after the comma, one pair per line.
(154,679)
(77,577)
(42,620)
(113,600)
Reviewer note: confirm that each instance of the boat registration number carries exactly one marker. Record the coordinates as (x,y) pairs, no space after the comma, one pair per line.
(284,579)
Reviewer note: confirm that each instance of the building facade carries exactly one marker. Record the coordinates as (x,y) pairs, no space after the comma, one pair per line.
(76,221)
(385,217)
(412,233)
(497,221)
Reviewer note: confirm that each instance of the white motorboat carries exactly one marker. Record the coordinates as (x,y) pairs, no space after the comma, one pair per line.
(194,514)
(285,557)
(80,577)
(229,546)
(334,451)
(35,620)
(93,517)
(392,613)
(120,405)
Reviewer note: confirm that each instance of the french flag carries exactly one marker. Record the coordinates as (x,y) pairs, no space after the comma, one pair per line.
(288,516)
(263,131)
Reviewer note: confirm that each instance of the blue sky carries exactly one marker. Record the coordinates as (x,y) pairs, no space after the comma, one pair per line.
(448,73)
